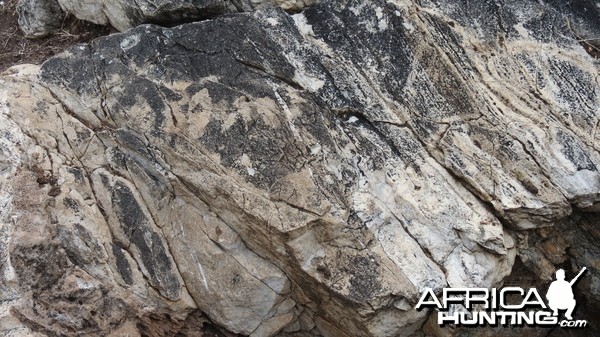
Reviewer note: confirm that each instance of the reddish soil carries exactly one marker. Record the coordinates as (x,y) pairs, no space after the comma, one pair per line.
(16,49)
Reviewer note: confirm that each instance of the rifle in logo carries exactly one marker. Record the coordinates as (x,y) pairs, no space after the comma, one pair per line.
(560,294)
(482,306)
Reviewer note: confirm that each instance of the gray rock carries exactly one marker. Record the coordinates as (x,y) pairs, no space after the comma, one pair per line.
(125,14)
(305,173)
(39,18)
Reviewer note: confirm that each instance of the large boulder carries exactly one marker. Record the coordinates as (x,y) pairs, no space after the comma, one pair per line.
(35,15)
(296,174)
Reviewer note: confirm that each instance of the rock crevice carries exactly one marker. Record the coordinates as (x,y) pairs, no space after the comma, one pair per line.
(296,174)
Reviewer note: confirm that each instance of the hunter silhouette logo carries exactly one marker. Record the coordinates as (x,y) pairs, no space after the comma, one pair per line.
(494,307)
(560,294)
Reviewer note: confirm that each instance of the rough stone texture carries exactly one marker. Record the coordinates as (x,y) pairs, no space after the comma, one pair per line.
(125,14)
(298,175)
(39,18)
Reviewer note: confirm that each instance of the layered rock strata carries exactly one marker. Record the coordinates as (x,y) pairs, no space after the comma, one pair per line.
(302,174)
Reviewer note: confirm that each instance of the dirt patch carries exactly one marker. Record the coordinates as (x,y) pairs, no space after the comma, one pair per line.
(16,49)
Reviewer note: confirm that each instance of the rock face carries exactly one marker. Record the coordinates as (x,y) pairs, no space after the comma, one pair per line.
(297,175)
(39,18)
(125,14)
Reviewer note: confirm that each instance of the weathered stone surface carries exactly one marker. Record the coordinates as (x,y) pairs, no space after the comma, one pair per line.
(297,174)
(125,14)
(39,18)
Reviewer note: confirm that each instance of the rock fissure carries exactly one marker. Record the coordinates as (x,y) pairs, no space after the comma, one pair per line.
(310,174)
